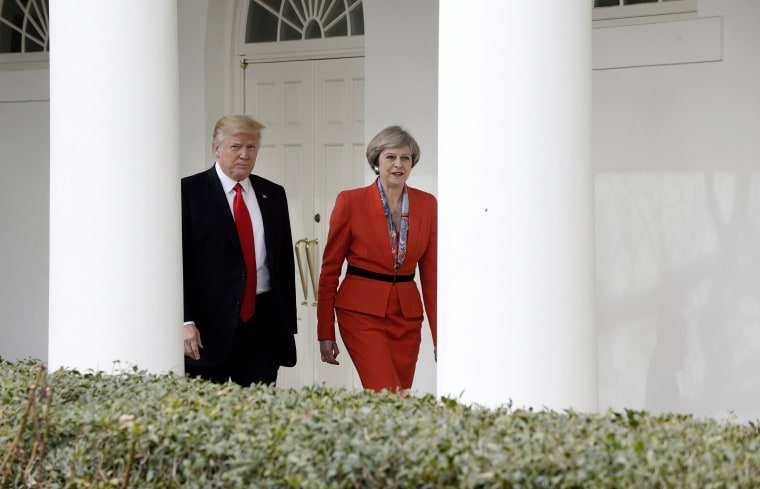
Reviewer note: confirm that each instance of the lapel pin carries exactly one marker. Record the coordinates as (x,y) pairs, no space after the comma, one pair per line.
(264,195)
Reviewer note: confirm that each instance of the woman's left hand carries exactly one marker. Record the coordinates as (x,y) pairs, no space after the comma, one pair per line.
(329,350)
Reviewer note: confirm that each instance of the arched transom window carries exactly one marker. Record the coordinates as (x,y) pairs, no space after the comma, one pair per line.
(24,26)
(291,20)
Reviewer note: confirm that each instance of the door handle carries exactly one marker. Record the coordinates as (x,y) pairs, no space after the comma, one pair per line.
(297,248)
(311,269)
(309,262)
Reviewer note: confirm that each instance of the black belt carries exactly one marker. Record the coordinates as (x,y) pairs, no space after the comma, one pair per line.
(379,276)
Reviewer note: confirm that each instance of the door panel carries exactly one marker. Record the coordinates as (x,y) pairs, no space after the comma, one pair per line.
(313,146)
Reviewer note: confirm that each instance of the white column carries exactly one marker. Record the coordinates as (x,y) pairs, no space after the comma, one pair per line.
(115,223)
(516,243)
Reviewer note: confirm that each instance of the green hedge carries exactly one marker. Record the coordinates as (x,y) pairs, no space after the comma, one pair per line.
(95,430)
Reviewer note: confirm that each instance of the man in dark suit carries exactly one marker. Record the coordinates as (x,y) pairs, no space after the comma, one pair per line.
(239,275)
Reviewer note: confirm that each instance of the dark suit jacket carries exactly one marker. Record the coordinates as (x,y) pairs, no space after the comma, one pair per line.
(214,268)
(359,234)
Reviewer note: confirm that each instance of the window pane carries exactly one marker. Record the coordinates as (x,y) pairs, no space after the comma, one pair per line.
(10,40)
(339,29)
(312,31)
(32,42)
(23,26)
(606,3)
(261,25)
(287,33)
(631,2)
(13,14)
(357,21)
(335,10)
(290,15)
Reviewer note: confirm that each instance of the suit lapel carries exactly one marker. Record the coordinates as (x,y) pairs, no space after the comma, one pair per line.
(269,215)
(415,223)
(262,199)
(221,207)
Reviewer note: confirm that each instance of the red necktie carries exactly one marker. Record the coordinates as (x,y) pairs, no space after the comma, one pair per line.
(245,233)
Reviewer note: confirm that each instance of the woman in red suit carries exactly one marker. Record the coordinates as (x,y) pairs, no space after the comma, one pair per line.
(384,232)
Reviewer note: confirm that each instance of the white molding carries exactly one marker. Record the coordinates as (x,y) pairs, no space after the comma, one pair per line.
(648,19)
(24,85)
(338,47)
(25,61)
(688,41)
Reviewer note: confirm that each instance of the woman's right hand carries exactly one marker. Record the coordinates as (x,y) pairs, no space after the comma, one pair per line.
(329,351)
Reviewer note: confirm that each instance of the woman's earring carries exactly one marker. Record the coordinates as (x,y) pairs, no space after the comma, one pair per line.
(377,169)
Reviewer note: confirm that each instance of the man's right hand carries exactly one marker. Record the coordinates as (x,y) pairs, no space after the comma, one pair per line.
(193,343)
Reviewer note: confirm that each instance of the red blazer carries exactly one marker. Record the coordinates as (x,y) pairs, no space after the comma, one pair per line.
(359,234)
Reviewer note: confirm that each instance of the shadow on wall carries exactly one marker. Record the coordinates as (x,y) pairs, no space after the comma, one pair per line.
(678,292)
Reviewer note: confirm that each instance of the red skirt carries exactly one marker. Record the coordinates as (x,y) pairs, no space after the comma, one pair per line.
(384,350)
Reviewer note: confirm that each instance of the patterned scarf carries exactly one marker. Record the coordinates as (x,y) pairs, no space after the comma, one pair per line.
(398,238)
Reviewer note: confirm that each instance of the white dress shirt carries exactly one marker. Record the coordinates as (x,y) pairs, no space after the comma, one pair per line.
(262,272)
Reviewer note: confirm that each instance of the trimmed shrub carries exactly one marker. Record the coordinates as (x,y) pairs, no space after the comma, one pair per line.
(95,430)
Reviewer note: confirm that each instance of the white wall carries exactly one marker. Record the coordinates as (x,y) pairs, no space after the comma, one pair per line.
(401,69)
(678,224)
(192,15)
(401,72)
(205,60)
(24,213)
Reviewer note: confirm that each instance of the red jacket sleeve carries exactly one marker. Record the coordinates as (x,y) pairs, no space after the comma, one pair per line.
(338,241)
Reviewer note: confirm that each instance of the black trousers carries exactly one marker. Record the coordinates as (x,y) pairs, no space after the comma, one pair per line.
(252,358)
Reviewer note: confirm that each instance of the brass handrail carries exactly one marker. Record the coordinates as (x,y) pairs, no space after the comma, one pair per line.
(297,248)
(311,269)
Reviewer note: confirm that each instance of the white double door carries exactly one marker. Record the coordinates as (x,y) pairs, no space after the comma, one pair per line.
(313,145)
